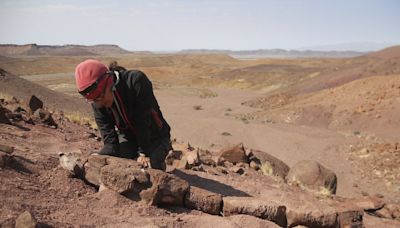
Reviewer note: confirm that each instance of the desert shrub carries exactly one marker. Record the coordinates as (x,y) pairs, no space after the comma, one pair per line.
(197,107)
(81,119)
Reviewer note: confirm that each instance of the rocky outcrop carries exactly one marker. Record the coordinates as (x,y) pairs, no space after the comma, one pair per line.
(312,176)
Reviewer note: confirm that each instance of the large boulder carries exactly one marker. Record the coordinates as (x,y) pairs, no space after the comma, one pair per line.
(233,154)
(271,211)
(269,164)
(312,176)
(203,200)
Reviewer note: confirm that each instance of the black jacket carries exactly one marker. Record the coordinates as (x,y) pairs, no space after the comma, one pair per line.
(135,113)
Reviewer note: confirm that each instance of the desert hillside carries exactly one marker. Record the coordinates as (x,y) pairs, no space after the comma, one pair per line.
(257,143)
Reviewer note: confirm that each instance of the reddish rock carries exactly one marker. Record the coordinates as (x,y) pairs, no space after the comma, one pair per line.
(368,203)
(203,200)
(206,157)
(390,211)
(312,176)
(6,149)
(123,179)
(154,187)
(92,168)
(236,169)
(181,164)
(311,215)
(271,211)
(234,154)
(34,103)
(172,156)
(4,159)
(3,117)
(166,189)
(45,117)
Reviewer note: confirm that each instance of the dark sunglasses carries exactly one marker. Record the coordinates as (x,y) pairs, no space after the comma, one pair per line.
(93,86)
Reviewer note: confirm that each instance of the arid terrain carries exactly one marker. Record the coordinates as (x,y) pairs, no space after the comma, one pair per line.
(340,112)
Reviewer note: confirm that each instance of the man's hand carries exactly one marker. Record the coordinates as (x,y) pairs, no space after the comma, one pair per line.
(144,161)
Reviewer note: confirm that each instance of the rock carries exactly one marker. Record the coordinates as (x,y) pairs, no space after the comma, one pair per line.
(323,217)
(45,117)
(251,206)
(312,176)
(203,200)
(71,163)
(19,109)
(254,165)
(269,164)
(238,170)
(198,168)
(26,220)
(3,118)
(206,157)
(181,164)
(368,203)
(92,168)
(192,158)
(34,104)
(125,176)
(173,155)
(4,159)
(390,211)
(222,170)
(234,154)
(6,149)
(166,189)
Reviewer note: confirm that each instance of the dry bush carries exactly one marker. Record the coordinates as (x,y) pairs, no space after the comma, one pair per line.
(5,96)
(81,119)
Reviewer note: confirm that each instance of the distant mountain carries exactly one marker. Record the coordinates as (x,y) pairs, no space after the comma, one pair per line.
(59,50)
(277,53)
(352,46)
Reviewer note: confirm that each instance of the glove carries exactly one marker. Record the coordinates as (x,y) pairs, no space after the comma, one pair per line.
(110,149)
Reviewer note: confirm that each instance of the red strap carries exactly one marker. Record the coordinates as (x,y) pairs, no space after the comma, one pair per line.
(124,114)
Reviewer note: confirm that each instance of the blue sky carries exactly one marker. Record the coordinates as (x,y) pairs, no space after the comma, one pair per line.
(212,24)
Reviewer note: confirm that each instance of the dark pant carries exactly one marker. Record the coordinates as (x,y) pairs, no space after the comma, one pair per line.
(157,153)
